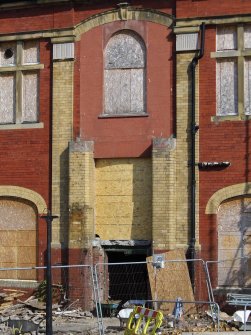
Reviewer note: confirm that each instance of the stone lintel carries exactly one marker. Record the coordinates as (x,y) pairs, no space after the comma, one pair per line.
(81,146)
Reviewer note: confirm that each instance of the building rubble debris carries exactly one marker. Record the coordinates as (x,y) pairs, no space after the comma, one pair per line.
(71,320)
(18,315)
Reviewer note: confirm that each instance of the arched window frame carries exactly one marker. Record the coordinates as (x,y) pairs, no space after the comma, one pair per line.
(125,75)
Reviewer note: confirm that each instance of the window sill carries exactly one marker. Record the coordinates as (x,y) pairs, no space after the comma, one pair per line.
(116,116)
(21,126)
(218,118)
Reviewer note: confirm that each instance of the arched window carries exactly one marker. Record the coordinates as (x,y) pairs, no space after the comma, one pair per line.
(124,75)
(18,236)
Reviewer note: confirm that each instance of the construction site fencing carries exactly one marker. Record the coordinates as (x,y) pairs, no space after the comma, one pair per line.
(120,285)
(105,288)
(233,272)
(73,299)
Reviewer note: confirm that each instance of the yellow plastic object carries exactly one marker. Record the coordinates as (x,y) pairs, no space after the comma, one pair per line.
(143,321)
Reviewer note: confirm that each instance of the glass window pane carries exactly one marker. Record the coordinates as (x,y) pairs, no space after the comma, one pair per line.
(226,38)
(247,86)
(227,103)
(8,54)
(30,97)
(125,50)
(30,52)
(7,98)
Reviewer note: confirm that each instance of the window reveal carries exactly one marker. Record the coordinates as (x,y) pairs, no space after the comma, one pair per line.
(124,75)
(19,82)
(233,71)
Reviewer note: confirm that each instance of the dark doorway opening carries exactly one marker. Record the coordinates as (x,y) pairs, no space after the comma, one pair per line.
(129,279)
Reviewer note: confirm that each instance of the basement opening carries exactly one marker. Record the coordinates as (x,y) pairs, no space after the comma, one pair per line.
(127,280)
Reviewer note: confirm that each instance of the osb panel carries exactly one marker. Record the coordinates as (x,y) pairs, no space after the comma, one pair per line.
(8,254)
(123,199)
(171,282)
(8,238)
(26,238)
(234,242)
(26,255)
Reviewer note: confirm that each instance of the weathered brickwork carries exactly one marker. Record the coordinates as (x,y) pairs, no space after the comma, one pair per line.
(81,194)
(164,193)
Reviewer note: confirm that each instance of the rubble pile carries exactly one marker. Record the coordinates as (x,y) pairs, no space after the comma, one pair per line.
(200,322)
(29,317)
(8,297)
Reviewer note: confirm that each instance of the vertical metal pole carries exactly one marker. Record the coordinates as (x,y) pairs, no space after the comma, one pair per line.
(48,280)
(48,218)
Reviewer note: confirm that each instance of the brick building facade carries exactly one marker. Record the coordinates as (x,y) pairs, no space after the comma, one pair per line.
(95,122)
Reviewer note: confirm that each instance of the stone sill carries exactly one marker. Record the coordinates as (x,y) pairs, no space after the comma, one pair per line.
(115,116)
(21,126)
(217,119)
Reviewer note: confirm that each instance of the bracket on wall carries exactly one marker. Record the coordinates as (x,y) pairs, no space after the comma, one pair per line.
(212,165)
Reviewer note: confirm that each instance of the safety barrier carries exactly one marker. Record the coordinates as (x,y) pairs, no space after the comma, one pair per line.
(144,319)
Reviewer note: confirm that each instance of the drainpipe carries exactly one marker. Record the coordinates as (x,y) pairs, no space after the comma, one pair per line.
(193,130)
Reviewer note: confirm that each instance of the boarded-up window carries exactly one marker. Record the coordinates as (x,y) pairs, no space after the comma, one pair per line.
(247,86)
(226,38)
(226,72)
(124,75)
(7,98)
(18,238)
(227,97)
(18,82)
(234,243)
(30,97)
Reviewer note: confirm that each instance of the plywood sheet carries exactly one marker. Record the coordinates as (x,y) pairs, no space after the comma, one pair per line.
(171,282)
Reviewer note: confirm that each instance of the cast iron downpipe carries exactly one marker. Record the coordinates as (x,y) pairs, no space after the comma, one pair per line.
(193,130)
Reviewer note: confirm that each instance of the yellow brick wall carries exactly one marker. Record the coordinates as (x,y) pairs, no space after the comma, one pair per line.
(164,193)
(81,194)
(62,134)
(183,112)
(124,199)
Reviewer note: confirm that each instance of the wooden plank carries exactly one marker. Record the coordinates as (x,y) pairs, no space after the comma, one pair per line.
(171,282)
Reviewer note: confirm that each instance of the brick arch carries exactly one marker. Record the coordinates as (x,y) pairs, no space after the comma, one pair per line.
(24,193)
(123,14)
(226,193)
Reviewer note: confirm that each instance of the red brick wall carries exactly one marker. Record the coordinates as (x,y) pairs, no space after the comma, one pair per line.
(223,141)
(126,137)
(204,8)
